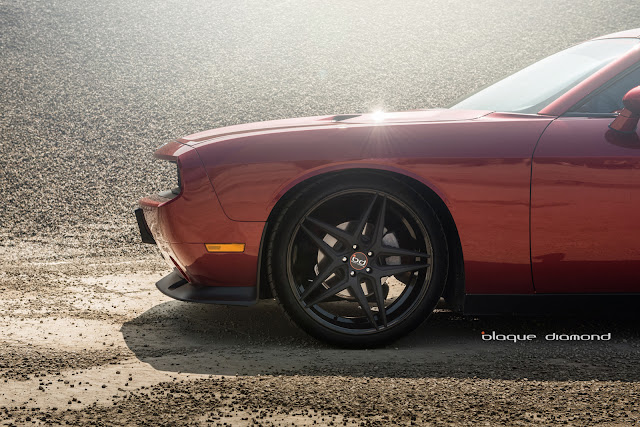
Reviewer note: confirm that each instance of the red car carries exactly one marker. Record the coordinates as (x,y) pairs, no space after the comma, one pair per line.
(521,198)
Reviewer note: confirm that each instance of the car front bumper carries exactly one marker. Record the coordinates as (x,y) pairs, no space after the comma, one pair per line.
(183,224)
(200,276)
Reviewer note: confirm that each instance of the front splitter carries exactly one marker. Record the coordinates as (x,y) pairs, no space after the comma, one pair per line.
(175,286)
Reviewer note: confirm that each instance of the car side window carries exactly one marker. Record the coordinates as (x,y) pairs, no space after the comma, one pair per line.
(609,100)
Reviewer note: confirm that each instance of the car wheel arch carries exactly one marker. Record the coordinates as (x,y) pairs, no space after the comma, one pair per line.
(454,289)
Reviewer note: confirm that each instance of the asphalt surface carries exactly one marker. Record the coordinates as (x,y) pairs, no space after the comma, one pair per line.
(90,89)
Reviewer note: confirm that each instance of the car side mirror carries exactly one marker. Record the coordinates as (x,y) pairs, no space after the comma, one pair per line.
(627,121)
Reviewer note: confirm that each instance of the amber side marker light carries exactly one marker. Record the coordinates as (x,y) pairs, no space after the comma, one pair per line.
(224,247)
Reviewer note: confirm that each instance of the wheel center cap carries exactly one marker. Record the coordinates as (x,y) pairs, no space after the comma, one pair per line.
(358,261)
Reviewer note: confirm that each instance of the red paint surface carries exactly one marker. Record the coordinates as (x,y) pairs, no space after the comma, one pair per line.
(582,234)
(631,100)
(480,165)
(181,227)
(585,209)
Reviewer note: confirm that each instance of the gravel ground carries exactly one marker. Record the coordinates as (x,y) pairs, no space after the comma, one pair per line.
(90,89)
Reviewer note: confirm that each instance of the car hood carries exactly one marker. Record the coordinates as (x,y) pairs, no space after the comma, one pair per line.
(417,116)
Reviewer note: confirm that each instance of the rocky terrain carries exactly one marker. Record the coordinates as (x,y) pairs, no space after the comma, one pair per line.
(90,89)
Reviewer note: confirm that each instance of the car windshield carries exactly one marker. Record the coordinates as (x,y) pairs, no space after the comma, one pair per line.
(531,89)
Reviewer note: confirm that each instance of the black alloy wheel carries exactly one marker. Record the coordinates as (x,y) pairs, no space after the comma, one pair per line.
(358,261)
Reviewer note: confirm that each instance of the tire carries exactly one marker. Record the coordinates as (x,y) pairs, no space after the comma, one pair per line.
(344,278)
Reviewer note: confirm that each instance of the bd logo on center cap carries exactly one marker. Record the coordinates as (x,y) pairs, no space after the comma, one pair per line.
(358,261)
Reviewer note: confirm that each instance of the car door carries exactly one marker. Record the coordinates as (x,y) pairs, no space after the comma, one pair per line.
(585,200)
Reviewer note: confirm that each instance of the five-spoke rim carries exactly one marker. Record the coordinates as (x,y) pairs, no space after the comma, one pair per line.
(348,251)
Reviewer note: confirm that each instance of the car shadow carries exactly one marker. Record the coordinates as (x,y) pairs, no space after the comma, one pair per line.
(259,340)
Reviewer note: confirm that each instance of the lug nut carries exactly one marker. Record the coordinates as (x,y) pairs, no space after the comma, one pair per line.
(368,270)
(369,253)
(344,259)
(355,247)
(352,273)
